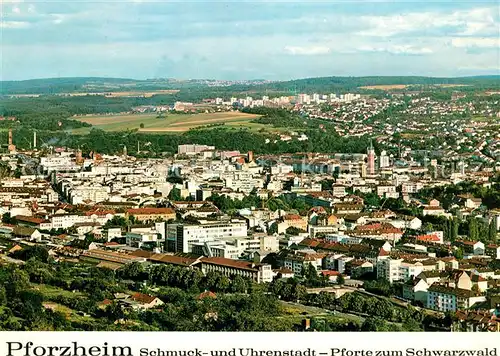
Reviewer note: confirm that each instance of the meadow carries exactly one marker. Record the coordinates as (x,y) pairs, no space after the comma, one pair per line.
(405,86)
(168,123)
(385,87)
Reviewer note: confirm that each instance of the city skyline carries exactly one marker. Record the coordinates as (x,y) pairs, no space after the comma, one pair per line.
(249,40)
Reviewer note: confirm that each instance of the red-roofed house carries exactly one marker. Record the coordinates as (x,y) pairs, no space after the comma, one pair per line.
(145,301)
(29,221)
(151,214)
(476,321)
(104,304)
(207,294)
(15,249)
(434,203)
(176,260)
(475,247)
(292,220)
(480,282)
(430,238)
(383,231)
(433,210)
(331,275)
(357,268)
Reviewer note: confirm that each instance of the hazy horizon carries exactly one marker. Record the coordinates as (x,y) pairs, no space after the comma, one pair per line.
(244,40)
(247,79)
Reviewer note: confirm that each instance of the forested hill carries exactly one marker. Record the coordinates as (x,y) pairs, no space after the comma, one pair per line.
(327,84)
(322,84)
(60,85)
(93,85)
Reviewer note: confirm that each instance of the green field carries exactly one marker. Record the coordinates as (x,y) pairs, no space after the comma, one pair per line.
(49,292)
(171,123)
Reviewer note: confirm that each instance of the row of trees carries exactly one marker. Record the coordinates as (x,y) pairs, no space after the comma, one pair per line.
(476,229)
(378,308)
(224,138)
(187,279)
(482,231)
(283,202)
(189,90)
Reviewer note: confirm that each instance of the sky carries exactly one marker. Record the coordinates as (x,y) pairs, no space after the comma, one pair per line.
(237,40)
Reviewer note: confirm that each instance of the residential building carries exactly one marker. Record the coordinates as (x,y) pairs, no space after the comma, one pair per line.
(259,273)
(394,270)
(143,301)
(182,237)
(416,290)
(151,214)
(444,298)
(493,251)
(27,233)
(475,321)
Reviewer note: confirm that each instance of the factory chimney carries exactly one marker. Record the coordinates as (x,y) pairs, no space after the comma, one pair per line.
(11,147)
(250,156)
(34,139)
(79,158)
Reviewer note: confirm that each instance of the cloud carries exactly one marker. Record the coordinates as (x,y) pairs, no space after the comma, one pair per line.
(482,21)
(481,67)
(398,49)
(14,24)
(307,51)
(471,22)
(59,18)
(303,39)
(475,42)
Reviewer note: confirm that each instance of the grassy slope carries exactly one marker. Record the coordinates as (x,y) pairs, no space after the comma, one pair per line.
(50,292)
(172,123)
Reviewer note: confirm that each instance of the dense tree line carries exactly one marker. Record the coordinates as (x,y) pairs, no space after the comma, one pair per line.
(283,202)
(338,84)
(288,289)
(369,306)
(227,204)
(321,85)
(51,118)
(448,195)
(21,307)
(380,287)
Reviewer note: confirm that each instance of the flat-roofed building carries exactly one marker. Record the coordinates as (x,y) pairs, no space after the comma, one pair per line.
(182,237)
